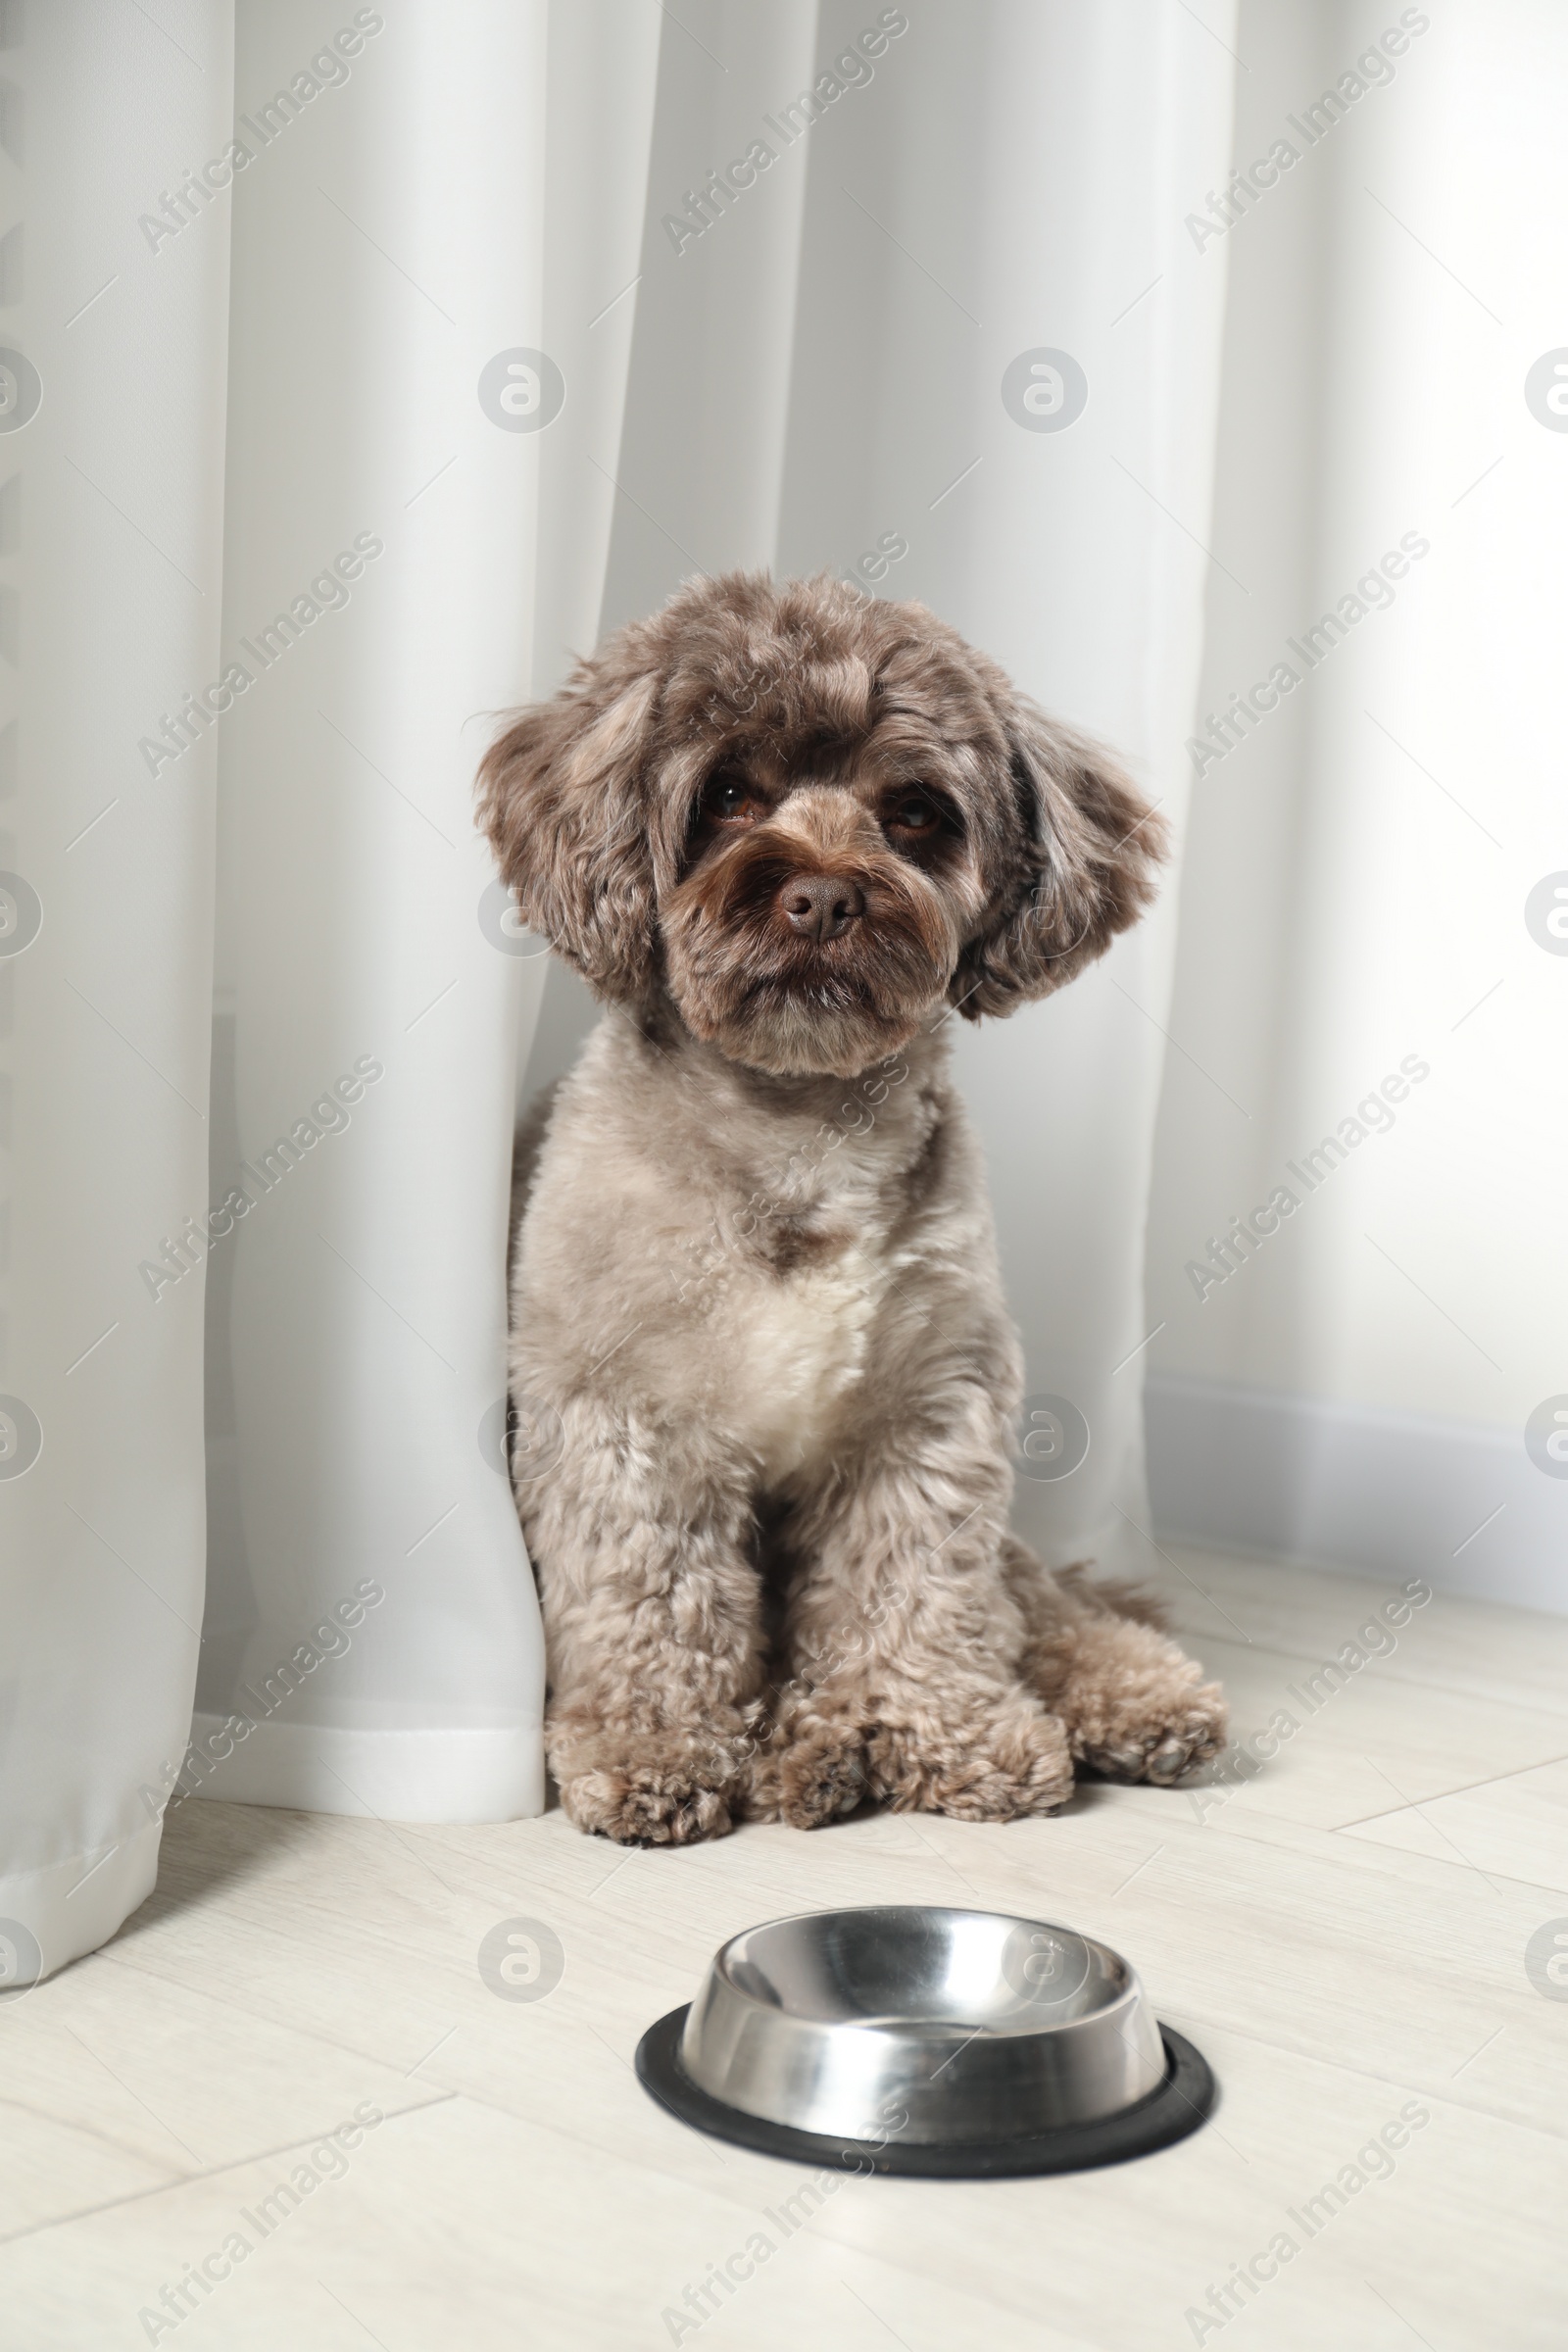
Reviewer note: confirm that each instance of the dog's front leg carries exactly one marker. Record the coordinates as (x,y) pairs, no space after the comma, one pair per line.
(905,1645)
(653,1627)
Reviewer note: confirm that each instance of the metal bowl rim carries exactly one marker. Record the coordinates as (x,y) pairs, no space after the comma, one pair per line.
(1132,1991)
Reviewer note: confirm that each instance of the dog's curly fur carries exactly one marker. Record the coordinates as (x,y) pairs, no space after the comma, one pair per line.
(762,1371)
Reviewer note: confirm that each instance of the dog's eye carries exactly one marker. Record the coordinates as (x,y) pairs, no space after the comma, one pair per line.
(914,813)
(731,800)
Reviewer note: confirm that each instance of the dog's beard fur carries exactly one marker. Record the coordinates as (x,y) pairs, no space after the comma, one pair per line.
(741,980)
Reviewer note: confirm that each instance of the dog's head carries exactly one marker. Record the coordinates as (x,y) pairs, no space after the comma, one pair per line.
(806,820)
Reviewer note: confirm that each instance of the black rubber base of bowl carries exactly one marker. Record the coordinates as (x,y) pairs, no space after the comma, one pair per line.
(1168,2114)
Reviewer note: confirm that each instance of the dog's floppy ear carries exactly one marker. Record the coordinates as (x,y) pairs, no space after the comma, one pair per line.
(562,798)
(1087,867)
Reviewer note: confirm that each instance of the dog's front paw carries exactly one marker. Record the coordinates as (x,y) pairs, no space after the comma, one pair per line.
(1155,1734)
(664,1787)
(821,1776)
(637,1805)
(1014,1764)
(809,1769)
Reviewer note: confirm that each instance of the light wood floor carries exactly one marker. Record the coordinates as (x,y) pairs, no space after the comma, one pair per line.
(1342,1936)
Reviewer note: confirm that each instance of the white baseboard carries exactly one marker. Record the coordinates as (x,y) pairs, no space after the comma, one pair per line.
(449,1774)
(1358,1487)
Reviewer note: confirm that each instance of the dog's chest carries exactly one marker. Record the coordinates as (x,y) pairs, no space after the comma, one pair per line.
(801,1342)
(811,1270)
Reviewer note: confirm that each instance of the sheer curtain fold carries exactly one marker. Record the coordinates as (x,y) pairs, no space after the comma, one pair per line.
(112,352)
(415,407)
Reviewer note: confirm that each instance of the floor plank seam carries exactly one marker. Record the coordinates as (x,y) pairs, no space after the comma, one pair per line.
(1442,1795)
(213,2172)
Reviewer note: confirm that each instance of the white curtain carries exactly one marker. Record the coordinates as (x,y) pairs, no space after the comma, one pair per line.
(382,437)
(385,267)
(111,546)
(1369,871)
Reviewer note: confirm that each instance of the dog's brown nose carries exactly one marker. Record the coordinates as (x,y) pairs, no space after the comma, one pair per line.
(820,906)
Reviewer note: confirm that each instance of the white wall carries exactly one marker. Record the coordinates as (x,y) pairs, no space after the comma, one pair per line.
(1356,871)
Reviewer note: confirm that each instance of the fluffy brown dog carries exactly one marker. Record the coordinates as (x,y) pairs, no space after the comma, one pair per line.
(763,1370)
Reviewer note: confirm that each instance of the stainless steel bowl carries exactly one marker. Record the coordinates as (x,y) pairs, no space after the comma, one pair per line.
(912,2030)
(976,2024)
